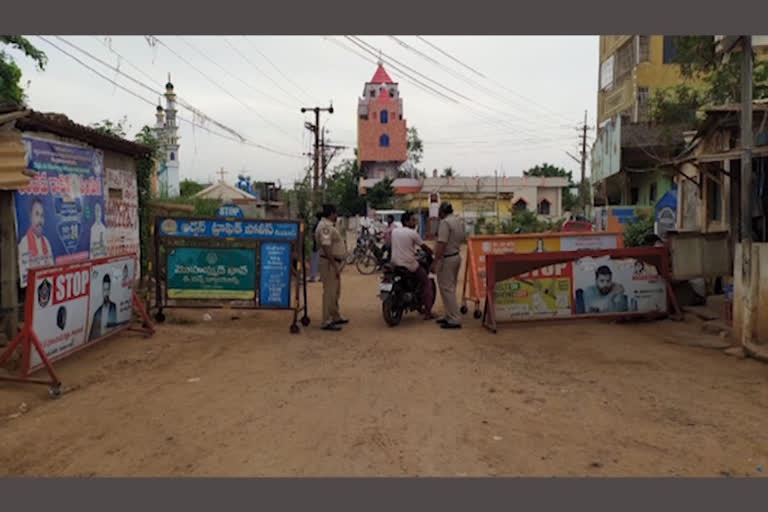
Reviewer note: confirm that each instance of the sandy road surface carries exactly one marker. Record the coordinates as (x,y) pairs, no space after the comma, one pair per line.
(576,398)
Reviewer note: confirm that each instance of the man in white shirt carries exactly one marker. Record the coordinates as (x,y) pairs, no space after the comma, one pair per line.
(405,241)
(98,235)
(34,248)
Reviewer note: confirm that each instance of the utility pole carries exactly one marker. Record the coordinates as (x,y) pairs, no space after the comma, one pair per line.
(749,284)
(316,130)
(584,167)
(496,178)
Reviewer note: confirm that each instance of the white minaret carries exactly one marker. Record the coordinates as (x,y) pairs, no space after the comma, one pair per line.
(171,141)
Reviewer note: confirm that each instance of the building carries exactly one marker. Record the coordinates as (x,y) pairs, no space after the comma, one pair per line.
(632,68)
(381,128)
(166,131)
(68,193)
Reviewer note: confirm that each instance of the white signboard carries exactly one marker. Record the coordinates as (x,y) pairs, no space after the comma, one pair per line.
(606,74)
(577,243)
(606,153)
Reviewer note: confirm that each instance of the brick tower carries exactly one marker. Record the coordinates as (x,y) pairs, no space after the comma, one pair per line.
(381,131)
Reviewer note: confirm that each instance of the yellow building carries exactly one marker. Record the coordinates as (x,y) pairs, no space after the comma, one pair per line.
(632,68)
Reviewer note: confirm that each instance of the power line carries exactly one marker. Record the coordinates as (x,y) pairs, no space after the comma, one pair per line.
(259,70)
(297,86)
(152,103)
(371,50)
(490,79)
(488,91)
(225,91)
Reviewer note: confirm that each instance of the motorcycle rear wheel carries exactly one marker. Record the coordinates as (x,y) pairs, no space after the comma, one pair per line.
(392,314)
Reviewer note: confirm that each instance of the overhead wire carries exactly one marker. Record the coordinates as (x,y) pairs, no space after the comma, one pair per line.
(150,102)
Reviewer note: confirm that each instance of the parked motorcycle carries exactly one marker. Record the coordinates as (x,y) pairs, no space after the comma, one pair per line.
(400,292)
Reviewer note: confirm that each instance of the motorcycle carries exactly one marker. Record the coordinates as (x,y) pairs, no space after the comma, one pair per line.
(399,290)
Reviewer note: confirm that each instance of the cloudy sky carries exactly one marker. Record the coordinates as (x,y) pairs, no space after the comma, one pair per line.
(479,103)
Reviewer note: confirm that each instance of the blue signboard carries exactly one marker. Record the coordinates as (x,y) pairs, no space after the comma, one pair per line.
(60,214)
(275,275)
(231,211)
(239,229)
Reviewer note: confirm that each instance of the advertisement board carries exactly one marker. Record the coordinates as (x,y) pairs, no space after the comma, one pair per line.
(275,275)
(122,213)
(209,273)
(480,247)
(82,303)
(61,207)
(545,292)
(606,152)
(235,229)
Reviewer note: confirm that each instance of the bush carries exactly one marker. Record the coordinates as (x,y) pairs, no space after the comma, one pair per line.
(638,230)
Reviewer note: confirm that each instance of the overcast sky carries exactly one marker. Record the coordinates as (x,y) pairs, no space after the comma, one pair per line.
(518,105)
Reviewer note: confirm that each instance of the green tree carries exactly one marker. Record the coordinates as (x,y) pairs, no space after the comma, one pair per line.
(10,73)
(381,195)
(448,172)
(638,230)
(343,189)
(709,80)
(415,146)
(551,171)
(115,129)
(188,188)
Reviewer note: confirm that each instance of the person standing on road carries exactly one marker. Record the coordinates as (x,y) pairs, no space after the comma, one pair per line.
(331,247)
(388,237)
(315,254)
(450,236)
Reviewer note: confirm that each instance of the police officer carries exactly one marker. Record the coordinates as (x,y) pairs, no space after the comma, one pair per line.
(450,236)
(332,250)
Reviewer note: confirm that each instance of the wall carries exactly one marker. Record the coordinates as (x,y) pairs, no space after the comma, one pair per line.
(553,195)
(760,269)
(689,202)
(644,181)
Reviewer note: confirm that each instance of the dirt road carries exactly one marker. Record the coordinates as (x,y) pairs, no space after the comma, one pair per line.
(245,398)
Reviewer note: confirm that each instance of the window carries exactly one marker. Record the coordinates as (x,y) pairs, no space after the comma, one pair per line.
(544,207)
(384,116)
(670,49)
(400,116)
(644,48)
(384,141)
(520,205)
(652,193)
(392,92)
(373,93)
(625,61)
(634,195)
(173,156)
(643,104)
(714,200)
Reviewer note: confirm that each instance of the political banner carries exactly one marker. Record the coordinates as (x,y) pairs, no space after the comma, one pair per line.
(237,229)
(208,273)
(545,292)
(60,208)
(122,214)
(60,310)
(275,278)
(111,296)
(609,286)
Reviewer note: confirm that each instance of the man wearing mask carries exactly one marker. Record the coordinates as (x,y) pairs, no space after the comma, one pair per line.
(331,249)
(450,236)
(405,240)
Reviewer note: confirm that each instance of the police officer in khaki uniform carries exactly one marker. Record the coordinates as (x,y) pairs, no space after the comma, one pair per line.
(450,236)
(332,251)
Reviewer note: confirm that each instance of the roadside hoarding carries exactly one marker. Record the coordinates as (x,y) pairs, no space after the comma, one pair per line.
(480,247)
(122,226)
(209,273)
(606,152)
(60,209)
(578,284)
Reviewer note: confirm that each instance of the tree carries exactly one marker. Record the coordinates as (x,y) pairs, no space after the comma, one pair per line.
(10,73)
(448,172)
(380,196)
(638,230)
(551,171)
(415,146)
(710,80)
(188,188)
(116,129)
(342,189)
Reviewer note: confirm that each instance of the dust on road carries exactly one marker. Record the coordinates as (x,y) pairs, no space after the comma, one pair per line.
(245,398)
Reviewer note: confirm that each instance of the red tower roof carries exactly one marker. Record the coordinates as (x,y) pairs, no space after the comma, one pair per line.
(381,76)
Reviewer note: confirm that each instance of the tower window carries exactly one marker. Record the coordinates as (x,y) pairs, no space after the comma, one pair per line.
(384,116)
(384,141)
(373,93)
(173,156)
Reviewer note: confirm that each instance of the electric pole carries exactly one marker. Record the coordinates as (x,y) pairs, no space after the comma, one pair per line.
(316,130)
(749,284)
(584,167)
